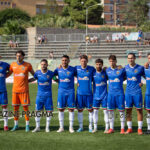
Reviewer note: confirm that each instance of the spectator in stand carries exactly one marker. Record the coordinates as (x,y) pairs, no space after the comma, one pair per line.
(87,39)
(122,38)
(51,55)
(92,39)
(11,44)
(39,39)
(43,39)
(117,39)
(108,38)
(16,44)
(95,38)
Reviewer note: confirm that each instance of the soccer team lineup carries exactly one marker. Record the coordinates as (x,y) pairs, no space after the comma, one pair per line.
(97,87)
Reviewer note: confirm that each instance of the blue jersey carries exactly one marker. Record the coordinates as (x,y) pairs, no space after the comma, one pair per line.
(115,78)
(66,79)
(147,75)
(44,82)
(85,78)
(4,67)
(99,85)
(134,75)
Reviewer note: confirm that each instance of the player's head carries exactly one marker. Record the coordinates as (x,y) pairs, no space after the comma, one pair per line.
(99,64)
(44,64)
(112,61)
(20,55)
(65,61)
(148,56)
(131,58)
(83,61)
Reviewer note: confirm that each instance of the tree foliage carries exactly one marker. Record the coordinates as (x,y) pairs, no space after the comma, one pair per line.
(13,14)
(136,12)
(13,27)
(77,10)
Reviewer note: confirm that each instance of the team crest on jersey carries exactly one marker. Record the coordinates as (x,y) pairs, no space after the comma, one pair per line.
(1,67)
(135,71)
(23,68)
(68,73)
(47,76)
(87,71)
(117,72)
(102,76)
(25,101)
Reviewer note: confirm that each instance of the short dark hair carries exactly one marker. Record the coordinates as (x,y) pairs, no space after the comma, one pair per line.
(84,57)
(65,56)
(133,54)
(20,52)
(99,61)
(113,57)
(148,54)
(44,60)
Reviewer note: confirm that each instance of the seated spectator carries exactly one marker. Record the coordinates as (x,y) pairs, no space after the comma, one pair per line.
(51,55)
(108,38)
(122,38)
(16,44)
(95,38)
(43,39)
(11,44)
(87,39)
(39,39)
(92,39)
(117,39)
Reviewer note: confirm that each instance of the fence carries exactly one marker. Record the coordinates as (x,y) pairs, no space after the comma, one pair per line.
(19,38)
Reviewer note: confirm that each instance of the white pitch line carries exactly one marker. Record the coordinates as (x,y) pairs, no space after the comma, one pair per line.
(55,112)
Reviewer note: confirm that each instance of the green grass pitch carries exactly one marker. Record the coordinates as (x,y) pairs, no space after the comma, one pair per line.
(66,141)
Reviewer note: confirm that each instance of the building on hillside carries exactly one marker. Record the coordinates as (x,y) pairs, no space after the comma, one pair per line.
(33,7)
(113,11)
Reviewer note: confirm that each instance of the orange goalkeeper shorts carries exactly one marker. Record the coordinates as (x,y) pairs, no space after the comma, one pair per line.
(20,98)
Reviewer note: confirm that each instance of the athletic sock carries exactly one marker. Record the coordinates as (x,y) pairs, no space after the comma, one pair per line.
(122,119)
(90,120)
(129,124)
(37,119)
(80,119)
(95,118)
(5,114)
(61,119)
(140,124)
(148,121)
(71,119)
(111,119)
(106,119)
(16,122)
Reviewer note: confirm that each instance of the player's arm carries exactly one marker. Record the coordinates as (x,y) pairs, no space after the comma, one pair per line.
(146,65)
(31,80)
(32,72)
(55,79)
(8,73)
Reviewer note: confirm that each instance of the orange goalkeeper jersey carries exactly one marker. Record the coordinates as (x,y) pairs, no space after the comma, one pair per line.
(20,72)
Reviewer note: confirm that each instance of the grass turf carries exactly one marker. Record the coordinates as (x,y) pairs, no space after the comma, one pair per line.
(53,140)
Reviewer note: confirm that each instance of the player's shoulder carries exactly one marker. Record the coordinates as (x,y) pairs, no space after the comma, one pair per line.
(13,63)
(91,67)
(139,66)
(38,71)
(50,72)
(108,69)
(5,63)
(27,63)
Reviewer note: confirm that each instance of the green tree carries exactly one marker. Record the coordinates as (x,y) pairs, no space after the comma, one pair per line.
(77,10)
(13,27)
(136,12)
(13,14)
